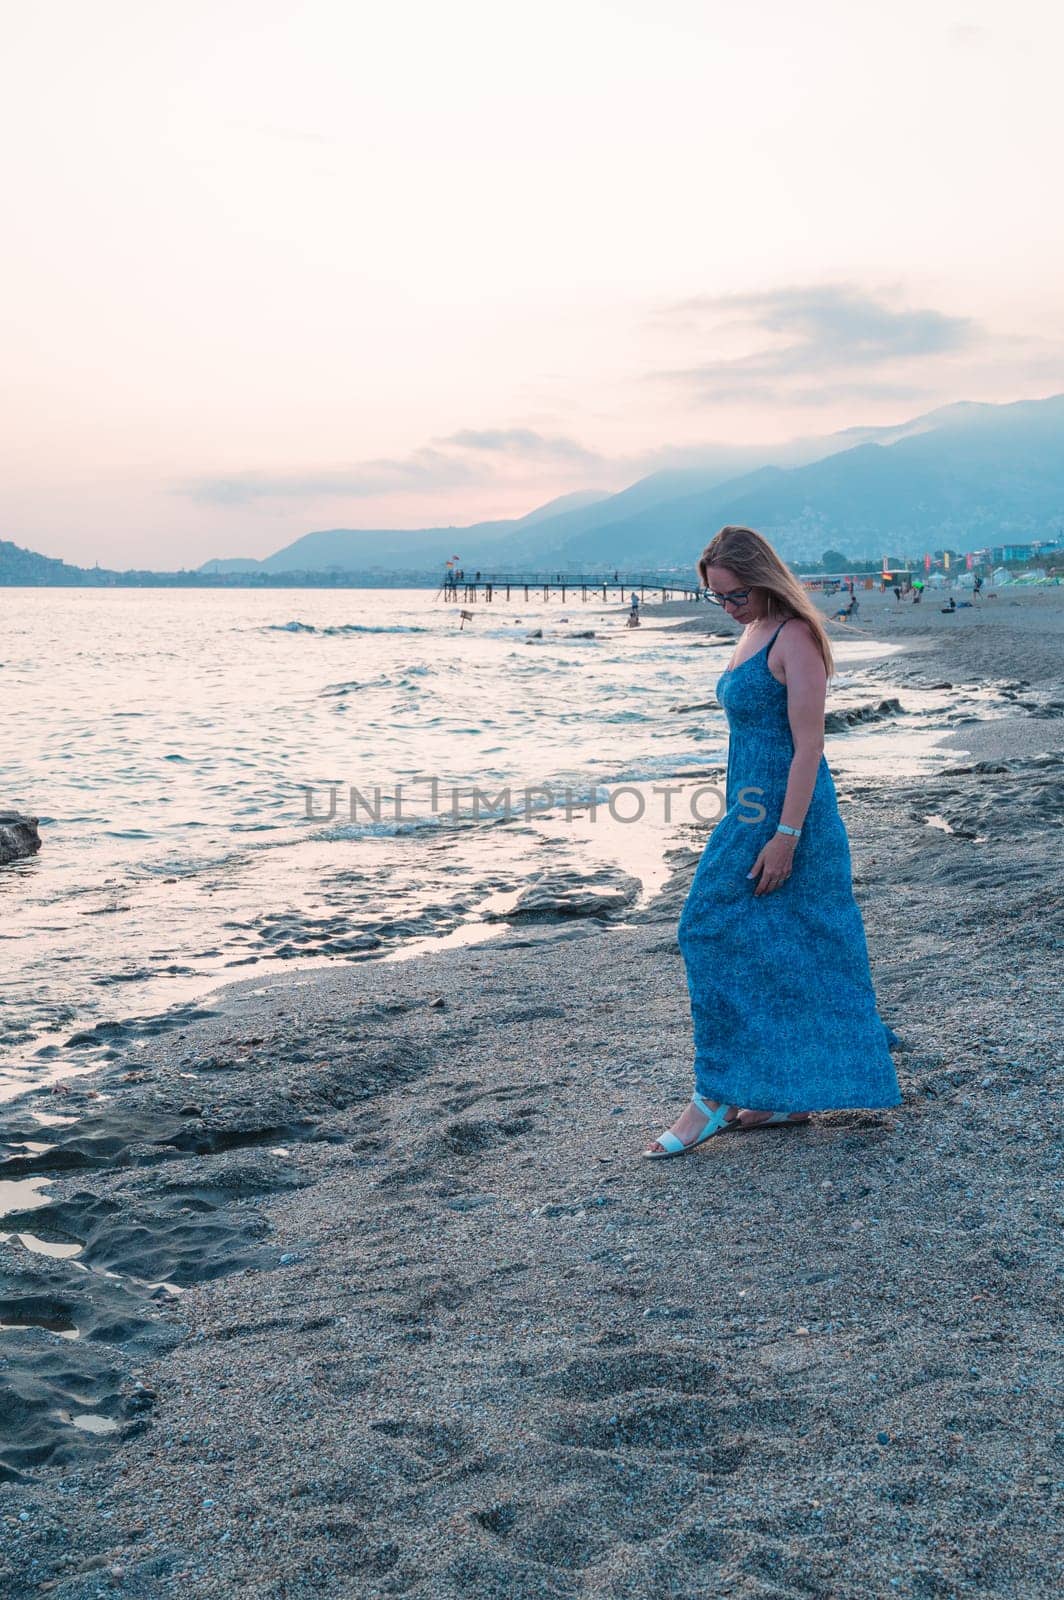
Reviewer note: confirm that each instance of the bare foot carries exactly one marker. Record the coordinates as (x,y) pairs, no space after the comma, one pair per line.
(755,1119)
(690,1124)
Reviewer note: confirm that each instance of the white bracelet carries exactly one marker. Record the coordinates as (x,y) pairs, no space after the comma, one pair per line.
(793,833)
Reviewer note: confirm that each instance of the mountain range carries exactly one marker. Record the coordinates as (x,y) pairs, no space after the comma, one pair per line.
(965,475)
(961,477)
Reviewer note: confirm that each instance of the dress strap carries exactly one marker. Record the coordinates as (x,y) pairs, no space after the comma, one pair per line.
(776,635)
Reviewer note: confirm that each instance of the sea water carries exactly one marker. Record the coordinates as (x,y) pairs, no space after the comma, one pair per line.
(192,754)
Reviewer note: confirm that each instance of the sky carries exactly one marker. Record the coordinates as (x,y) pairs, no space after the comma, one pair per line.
(275,266)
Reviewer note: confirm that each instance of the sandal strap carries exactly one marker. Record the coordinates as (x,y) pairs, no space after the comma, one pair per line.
(717,1120)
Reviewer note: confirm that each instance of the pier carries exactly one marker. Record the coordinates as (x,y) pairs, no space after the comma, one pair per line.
(489,586)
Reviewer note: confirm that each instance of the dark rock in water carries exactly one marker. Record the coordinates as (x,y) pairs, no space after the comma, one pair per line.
(567,894)
(18,836)
(839,721)
(537,635)
(589,634)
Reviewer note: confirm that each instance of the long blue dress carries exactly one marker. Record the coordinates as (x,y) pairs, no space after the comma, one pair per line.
(782,1002)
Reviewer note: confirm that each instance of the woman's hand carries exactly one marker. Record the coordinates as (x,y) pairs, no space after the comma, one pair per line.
(774,863)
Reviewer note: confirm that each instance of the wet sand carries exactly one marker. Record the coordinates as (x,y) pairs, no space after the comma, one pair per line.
(396,1309)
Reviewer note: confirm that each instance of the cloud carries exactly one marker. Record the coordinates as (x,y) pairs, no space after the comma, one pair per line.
(825,394)
(424,469)
(814,331)
(522,442)
(470,456)
(871,393)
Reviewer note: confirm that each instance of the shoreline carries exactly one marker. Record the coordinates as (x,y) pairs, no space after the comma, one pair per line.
(286,932)
(442,1333)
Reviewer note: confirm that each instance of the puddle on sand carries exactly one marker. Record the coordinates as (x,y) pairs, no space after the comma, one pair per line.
(88,1421)
(933,820)
(45,1247)
(22,1194)
(60,1326)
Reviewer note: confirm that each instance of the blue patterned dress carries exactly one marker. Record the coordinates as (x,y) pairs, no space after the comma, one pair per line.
(782,1001)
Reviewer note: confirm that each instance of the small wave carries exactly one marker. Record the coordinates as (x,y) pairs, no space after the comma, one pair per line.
(386,830)
(338,691)
(663,766)
(338,628)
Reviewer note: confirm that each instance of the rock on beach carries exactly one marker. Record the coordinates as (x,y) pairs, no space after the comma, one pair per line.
(18,836)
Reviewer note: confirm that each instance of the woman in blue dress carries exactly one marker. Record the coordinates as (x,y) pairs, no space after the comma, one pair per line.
(784,1013)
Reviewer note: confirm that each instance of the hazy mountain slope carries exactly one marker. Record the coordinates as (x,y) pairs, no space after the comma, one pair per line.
(530,541)
(360,549)
(19,566)
(982,474)
(579,501)
(233,564)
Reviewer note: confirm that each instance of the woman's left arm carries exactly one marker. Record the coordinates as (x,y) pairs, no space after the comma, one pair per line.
(803,670)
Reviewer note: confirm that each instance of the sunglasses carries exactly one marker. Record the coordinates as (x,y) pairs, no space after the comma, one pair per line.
(737,597)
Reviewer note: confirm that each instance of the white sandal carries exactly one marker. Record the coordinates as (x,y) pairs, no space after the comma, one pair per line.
(716,1122)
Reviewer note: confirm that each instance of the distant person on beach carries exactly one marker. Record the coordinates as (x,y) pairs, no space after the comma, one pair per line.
(897,593)
(633,618)
(848,610)
(977,588)
(770,933)
(951,607)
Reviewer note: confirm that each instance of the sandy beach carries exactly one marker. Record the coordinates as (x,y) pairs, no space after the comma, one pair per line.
(398,1310)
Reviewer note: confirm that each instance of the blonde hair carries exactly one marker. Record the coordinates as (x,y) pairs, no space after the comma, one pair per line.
(754,562)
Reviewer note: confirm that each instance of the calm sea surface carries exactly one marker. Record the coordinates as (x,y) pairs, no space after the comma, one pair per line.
(170,743)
